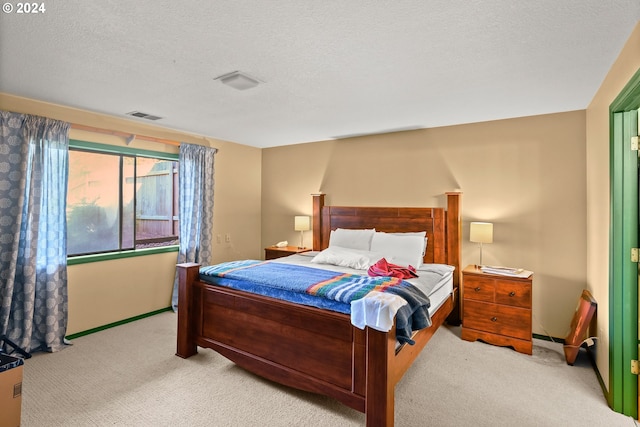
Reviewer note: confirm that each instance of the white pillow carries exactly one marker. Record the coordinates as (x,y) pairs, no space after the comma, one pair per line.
(352,239)
(422,234)
(344,257)
(401,249)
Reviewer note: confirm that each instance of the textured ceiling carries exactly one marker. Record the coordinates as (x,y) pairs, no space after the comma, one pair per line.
(330,68)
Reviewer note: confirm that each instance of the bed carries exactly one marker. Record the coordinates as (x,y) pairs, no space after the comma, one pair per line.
(314,349)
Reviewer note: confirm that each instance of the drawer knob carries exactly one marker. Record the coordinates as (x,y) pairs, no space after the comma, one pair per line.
(512,294)
(494,319)
(477,289)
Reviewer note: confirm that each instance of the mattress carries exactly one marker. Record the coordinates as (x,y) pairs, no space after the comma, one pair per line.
(435,280)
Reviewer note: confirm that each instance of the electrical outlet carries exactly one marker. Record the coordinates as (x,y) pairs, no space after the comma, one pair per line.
(227,238)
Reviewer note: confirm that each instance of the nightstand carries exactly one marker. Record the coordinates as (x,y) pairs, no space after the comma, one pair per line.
(273,252)
(496,309)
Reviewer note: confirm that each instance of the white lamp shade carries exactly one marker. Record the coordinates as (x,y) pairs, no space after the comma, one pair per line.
(301,223)
(481,232)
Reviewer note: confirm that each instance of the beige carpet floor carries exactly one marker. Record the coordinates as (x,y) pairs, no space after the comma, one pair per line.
(129,376)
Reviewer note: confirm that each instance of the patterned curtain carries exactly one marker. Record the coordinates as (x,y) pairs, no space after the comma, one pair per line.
(195,182)
(33,265)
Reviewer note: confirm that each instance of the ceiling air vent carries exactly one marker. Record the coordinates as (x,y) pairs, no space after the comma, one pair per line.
(143,115)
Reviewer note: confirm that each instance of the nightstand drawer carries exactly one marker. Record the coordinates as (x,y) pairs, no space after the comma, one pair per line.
(512,293)
(479,288)
(498,319)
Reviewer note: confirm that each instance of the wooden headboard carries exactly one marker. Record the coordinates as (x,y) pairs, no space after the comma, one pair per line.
(443,226)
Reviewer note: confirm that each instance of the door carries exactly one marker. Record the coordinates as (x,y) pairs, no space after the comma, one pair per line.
(623,281)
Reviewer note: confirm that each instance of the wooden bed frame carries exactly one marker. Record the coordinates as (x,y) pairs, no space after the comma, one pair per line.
(313,349)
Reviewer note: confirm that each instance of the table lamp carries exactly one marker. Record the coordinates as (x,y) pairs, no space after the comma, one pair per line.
(301,224)
(481,232)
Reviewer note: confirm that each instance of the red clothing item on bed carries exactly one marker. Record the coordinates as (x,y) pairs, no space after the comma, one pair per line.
(384,268)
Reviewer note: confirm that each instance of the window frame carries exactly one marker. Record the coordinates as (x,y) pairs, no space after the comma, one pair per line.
(114,149)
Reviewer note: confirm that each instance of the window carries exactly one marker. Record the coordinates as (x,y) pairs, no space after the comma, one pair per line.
(120,199)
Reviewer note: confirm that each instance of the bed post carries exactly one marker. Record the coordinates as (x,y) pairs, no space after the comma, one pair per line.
(454,248)
(380,397)
(318,204)
(187,274)
(454,234)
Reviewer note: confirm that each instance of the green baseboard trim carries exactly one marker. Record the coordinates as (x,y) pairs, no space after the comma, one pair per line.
(118,323)
(549,338)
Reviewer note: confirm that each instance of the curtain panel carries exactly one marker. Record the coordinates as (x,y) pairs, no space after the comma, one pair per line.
(33,265)
(196,183)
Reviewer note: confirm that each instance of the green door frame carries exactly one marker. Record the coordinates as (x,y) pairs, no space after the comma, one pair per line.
(623,235)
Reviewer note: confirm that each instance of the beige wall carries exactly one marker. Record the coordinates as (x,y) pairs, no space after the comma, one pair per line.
(525,175)
(110,291)
(597,163)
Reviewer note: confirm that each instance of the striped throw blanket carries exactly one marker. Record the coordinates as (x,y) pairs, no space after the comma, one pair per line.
(332,285)
(341,287)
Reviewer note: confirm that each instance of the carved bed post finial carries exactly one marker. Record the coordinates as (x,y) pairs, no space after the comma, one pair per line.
(318,204)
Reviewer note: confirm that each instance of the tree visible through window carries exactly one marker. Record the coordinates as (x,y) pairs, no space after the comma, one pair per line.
(120,201)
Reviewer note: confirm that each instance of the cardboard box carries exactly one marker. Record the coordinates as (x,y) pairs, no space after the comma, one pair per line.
(10,390)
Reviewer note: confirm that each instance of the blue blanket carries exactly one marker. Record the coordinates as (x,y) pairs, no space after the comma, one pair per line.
(295,282)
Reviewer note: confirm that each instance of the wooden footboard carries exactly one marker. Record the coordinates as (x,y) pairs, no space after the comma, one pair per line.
(302,347)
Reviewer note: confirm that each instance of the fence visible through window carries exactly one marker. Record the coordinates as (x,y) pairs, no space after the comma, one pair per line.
(120,202)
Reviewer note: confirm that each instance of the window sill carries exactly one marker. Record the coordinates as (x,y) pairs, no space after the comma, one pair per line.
(84,259)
